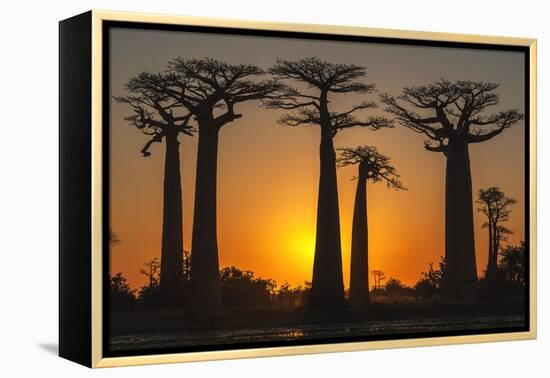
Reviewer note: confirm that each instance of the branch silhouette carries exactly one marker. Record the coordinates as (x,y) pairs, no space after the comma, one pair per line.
(153,109)
(458,111)
(373,165)
(323,78)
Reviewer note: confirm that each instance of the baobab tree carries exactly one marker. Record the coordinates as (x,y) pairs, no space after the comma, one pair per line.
(210,90)
(497,208)
(453,116)
(160,117)
(309,106)
(375,167)
(378,276)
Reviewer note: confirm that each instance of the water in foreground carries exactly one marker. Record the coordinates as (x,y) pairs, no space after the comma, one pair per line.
(309,332)
(177,329)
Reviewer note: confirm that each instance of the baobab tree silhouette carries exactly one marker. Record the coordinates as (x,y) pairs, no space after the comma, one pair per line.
(497,207)
(453,117)
(378,276)
(310,106)
(374,167)
(159,116)
(205,87)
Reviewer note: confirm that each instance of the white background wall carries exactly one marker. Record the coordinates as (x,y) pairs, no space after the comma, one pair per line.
(28,186)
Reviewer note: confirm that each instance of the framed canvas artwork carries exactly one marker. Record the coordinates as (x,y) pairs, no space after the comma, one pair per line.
(236,189)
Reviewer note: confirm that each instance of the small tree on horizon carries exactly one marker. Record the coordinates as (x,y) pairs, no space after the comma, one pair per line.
(375,167)
(378,276)
(497,208)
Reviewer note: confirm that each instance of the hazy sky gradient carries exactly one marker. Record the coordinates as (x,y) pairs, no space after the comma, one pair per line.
(268,174)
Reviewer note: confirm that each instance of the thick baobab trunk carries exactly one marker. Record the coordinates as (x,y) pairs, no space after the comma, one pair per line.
(204,256)
(359,270)
(327,290)
(171,269)
(460,275)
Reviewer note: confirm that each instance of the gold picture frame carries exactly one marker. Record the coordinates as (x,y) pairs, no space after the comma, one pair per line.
(93,27)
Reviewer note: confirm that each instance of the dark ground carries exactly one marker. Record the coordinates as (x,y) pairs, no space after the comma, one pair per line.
(176,328)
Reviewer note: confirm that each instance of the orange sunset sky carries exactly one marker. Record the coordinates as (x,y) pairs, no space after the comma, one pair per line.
(268,174)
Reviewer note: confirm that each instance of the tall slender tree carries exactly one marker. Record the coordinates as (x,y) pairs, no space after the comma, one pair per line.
(309,105)
(160,117)
(374,167)
(210,90)
(453,116)
(497,208)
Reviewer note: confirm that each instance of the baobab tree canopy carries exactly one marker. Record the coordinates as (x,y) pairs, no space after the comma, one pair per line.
(153,109)
(455,111)
(375,165)
(202,85)
(494,203)
(453,116)
(312,108)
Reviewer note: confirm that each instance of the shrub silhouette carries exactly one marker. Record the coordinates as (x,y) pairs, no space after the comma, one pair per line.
(151,296)
(430,285)
(242,288)
(509,279)
(121,296)
(288,297)
(512,264)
